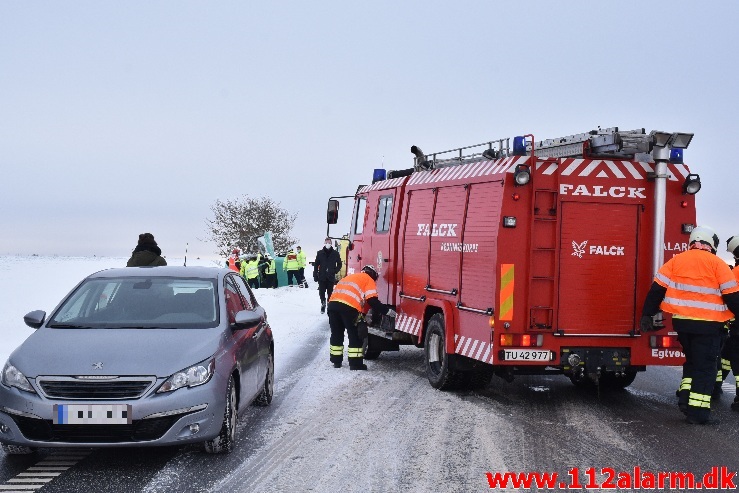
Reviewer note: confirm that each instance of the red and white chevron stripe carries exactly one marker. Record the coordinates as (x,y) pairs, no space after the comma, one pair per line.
(404,323)
(473,348)
(597,168)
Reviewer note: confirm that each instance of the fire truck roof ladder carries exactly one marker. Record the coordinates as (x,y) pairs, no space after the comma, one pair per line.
(609,143)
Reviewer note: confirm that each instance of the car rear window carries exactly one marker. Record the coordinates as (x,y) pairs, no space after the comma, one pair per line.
(140,303)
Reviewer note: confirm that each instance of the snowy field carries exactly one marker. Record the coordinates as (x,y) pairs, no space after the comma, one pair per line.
(30,283)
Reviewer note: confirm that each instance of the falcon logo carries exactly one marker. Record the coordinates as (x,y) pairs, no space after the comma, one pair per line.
(97,366)
(579,248)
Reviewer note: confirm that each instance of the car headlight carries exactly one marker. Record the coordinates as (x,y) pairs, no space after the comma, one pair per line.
(189,377)
(12,377)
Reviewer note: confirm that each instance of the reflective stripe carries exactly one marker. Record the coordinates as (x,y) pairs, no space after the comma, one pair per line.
(686,383)
(337,350)
(720,376)
(725,364)
(355,352)
(727,285)
(697,304)
(699,400)
(689,287)
(352,284)
(370,293)
(351,294)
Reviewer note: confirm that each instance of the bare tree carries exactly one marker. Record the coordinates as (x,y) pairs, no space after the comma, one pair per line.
(238,222)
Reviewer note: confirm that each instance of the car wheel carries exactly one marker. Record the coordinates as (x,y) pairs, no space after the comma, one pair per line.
(17,449)
(224,442)
(268,389)
(437,360)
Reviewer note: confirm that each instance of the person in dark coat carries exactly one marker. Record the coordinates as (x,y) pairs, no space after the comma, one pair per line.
(325,268)
(147,253)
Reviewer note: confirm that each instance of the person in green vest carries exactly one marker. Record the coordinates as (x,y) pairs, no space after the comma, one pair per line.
(292,266)
(301,260)
(250,270)
(270,273)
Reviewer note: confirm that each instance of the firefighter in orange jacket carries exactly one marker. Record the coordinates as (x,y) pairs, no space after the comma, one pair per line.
(347,302)
(730,351)
(701,293)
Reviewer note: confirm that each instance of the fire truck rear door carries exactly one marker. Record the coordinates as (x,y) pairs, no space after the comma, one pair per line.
(597,278)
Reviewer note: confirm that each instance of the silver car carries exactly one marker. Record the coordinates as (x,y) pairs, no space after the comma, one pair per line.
(139,356)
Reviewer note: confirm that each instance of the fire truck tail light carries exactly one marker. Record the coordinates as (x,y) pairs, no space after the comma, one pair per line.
(521,340)
(492,322)
(509,222)
(683,204)
(692,184)
(516,196)
(663,342)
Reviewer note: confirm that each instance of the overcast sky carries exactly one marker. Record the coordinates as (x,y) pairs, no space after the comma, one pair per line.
(118,118)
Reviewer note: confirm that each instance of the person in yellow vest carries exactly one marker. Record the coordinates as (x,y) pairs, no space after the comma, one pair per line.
(352,296)
(301,271)
(250,270)
(730,350)
(701,293)
(270,273)
(292,266)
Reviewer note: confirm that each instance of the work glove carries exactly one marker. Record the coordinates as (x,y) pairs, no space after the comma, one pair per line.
(391,313)
(647,324)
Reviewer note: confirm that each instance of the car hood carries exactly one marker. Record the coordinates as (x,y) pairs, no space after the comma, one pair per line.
(158,352)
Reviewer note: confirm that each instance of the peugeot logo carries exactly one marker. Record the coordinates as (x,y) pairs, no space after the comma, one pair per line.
(97,366)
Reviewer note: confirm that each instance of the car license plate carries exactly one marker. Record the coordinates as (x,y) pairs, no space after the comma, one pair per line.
(526,355)
(92,414)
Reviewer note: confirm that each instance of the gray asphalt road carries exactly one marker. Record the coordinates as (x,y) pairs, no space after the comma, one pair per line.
(388,430)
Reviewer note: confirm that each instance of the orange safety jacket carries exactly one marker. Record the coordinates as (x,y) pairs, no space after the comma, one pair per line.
(695,281)
(232,263)
(354,290)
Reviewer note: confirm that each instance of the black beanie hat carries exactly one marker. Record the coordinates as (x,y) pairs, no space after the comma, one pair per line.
(147,239)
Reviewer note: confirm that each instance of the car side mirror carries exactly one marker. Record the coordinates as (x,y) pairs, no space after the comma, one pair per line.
(35,319)
(246,319)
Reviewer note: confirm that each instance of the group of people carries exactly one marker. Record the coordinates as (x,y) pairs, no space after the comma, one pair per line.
(701,293)
(258,270)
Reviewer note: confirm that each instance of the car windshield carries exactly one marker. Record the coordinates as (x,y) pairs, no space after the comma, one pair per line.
(140,303)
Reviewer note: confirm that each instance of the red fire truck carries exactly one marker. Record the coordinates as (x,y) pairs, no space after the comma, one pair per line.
(527,259)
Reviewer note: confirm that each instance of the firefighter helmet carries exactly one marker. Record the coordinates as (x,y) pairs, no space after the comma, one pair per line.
(732,246)
(371,271)
(706,235)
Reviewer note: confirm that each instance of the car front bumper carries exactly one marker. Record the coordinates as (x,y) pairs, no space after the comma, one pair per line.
(183,416)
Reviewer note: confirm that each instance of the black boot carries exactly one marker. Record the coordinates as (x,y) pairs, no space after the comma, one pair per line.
(323,307)
(357,363)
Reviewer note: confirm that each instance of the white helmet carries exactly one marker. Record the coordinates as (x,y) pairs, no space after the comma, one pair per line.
(732,246)
(706,235)
(371,271)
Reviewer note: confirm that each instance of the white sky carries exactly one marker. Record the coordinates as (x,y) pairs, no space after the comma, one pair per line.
(118,118)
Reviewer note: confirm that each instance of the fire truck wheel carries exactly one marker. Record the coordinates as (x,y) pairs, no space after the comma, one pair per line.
(437,360)
(369,354)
